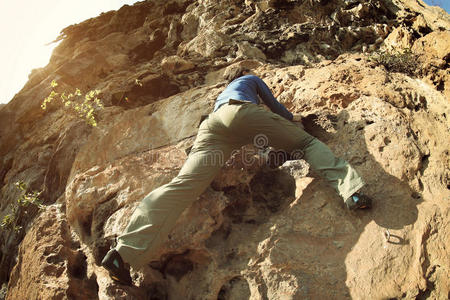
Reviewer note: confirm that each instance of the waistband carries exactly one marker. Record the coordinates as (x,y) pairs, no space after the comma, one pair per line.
(235,102)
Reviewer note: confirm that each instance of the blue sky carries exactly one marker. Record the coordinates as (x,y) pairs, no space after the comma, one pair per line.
(445,4)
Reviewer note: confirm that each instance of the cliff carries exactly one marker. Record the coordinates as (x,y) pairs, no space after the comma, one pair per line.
(255,233)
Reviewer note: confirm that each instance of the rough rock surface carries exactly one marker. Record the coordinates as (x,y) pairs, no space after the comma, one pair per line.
(256,233)
(58,259)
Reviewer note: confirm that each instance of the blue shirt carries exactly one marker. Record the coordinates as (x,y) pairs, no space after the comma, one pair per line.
(248,88)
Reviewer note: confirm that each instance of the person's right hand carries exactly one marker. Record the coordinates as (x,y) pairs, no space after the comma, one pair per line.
(297,118)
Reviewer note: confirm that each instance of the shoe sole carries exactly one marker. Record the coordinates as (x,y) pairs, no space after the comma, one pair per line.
(118,280)
(114,276)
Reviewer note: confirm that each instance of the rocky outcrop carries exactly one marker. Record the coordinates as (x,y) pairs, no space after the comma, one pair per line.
(256,232)
(57,257)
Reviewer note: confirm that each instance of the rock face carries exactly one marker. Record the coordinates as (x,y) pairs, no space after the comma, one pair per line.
(256,233)
(56,257)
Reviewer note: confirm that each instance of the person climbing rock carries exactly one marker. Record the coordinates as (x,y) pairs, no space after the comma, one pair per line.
(237,120)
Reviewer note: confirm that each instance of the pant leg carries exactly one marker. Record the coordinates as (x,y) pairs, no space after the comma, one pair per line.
(336,171)
(158,212)
(285,135)
(229,128)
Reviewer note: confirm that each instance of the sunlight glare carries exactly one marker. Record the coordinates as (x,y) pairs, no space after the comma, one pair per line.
(27,28)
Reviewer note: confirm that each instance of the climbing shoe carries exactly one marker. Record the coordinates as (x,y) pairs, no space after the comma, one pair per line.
(358,201)
(116,267)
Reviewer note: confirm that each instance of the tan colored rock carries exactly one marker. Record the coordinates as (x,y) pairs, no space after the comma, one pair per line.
(247,51)
(255,233)
(435,16)
(175,64)
(190,22)
(145,128)
(305,233)
(420,24)
(434,52)
(120,182)
(399,39)
(434,45)
(51,265)
(217,77)
(207,43)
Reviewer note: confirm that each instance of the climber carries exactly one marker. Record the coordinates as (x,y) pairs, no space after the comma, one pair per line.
(236,120)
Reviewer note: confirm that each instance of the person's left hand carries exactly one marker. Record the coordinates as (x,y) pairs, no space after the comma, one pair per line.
(297,118)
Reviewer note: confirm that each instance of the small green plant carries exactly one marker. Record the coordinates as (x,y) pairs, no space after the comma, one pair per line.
(404,61)
(25,200)
(84,105)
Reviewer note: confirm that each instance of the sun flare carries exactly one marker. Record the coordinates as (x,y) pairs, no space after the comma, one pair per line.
(27,29)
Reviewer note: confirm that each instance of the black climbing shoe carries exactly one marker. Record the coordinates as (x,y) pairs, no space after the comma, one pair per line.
(116,267)
(358,201)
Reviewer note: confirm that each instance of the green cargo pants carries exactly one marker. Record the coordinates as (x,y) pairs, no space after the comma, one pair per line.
(227,129)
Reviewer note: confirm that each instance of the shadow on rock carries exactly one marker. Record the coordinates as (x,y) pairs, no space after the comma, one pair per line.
(338,254)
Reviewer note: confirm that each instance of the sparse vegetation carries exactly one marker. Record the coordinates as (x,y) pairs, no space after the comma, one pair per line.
(25,200)
(397,61)
(84,105)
